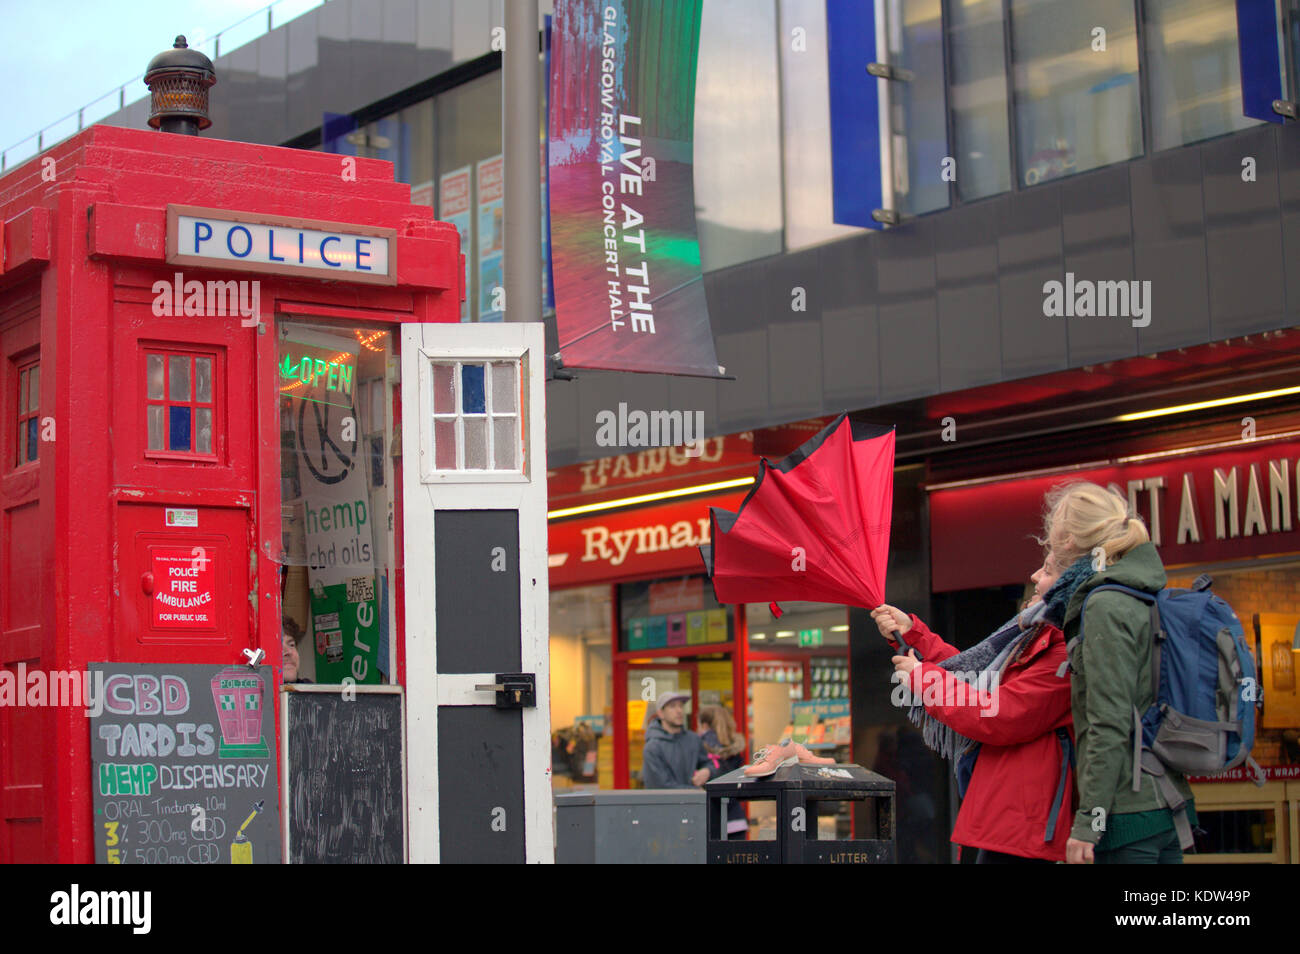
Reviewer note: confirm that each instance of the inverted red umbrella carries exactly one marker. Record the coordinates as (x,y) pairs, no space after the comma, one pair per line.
(815,526)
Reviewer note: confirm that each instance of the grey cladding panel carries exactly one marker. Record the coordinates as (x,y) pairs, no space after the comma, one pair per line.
(477,605)
(1243,235)
(480,785)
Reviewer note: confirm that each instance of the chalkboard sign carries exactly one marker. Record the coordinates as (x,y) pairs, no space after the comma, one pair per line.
(182,771)
(344,771)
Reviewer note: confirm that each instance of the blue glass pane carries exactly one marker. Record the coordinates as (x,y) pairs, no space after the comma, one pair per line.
(179,434)
(471,389)
(31,438)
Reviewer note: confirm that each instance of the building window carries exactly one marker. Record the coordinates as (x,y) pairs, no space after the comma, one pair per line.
(1076,86)
(1193,71)
(180,404)
(737,133)
(476,419)
(978,67)
(920,130)
(29,418)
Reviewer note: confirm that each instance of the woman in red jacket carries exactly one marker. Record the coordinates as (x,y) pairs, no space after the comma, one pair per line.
(1001,711)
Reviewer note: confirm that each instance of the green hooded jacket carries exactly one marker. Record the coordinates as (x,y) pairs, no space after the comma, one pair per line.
(1112,674)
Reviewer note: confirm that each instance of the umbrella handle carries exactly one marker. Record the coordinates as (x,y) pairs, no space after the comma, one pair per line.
(903,647)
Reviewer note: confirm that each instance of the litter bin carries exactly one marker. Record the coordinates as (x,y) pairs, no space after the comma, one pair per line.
(798,791)
(628,827)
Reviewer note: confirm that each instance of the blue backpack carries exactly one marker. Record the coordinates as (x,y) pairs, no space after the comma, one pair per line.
(1202,721)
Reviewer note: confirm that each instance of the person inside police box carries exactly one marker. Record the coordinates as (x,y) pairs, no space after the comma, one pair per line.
(290,633)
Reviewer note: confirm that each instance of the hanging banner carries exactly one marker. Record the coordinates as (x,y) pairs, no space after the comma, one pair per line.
(625,256)
(454,207)
(338,525)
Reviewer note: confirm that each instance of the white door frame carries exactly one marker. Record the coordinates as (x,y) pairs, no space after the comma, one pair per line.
(423,492)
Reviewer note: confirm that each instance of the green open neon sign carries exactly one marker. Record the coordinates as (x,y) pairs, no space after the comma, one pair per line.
(318,373)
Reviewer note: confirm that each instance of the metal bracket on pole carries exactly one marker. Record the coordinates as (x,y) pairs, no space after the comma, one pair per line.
(885,71)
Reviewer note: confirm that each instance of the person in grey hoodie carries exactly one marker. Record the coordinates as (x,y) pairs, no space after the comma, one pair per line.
(674,756)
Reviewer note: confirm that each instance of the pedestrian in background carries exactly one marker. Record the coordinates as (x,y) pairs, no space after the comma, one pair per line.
(674,756)
(727,751)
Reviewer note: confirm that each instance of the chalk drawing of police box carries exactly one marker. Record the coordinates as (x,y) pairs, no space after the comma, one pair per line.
(238,695)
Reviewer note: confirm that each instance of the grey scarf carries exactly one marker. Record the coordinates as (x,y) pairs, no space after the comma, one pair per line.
(989,656)
(994,653)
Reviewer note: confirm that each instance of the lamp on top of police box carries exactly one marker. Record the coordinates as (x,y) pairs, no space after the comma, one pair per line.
(178,81)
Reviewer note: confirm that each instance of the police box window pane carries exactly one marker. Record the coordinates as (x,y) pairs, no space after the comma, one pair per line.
(203,430)
(178,428)
(476,449)
(1076,86)
(178,377)
(505,439)
(203,380)
(444,444)
(155,377)
(978,91)
(472,397)
(444,389)
(1193,70)
(504,388)
(157,425)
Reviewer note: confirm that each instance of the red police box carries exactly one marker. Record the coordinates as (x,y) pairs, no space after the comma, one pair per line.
(144,281)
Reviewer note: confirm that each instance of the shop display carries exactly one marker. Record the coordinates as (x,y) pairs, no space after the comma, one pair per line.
(830,679)
(676,617)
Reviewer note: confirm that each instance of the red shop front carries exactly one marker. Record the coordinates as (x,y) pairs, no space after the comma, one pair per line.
(205,350)
(1232,511)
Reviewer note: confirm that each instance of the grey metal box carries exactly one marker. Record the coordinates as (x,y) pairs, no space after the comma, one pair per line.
(639,826)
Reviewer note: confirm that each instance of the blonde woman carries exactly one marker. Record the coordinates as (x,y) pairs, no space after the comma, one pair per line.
(726,749)
(1111,667)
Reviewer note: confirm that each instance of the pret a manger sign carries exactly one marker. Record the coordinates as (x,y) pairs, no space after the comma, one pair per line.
(246,241)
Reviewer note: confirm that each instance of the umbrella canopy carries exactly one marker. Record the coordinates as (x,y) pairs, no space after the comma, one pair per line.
(815,526)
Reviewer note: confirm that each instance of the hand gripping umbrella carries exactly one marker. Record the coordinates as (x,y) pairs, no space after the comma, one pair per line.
(815,526)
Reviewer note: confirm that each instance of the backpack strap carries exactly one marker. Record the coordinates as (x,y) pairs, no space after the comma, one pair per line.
(1170,797)
(1253,767)
(1156,631)
(1062,669)
(1137,750)
(1067,762)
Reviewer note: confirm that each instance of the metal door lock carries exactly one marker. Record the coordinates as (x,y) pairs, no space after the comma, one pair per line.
(515,690)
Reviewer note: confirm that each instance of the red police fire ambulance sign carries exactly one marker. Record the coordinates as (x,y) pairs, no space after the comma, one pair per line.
(184,587)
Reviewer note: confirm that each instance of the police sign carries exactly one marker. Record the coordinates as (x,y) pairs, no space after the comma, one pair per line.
(248,241)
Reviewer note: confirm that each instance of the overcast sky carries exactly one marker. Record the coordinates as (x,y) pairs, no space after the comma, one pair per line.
(58,55)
